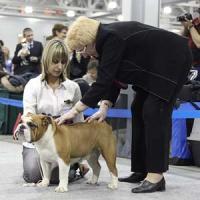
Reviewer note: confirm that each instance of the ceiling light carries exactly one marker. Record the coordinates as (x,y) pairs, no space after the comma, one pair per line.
(28,9)
(33,20)
(112,5)
(167,10)
(70,13)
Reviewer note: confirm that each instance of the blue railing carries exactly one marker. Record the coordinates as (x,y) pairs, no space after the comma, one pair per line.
(186,110)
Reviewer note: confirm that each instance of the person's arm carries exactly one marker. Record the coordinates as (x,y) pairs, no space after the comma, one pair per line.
(195,35)
(17,59)
(112,52)
(29,98)
(112,94)
(188,24)
(6,52)
(40,55)
(77,96)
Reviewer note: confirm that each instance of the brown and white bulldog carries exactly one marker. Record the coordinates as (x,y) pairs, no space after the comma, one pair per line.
(66,144)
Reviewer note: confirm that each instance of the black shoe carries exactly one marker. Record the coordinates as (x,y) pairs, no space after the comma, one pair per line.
(134,178)
(147,187)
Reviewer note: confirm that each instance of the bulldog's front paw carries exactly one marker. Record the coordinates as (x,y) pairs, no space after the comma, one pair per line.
(113,186)
(43,183)
(61,188)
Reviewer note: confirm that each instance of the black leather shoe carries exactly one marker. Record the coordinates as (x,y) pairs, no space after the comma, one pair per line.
(134,178)
(147,187)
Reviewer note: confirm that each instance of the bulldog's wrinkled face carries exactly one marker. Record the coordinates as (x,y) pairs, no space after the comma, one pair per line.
(33,126)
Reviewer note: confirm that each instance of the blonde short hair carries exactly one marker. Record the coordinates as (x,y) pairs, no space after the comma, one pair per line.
(82,32)
(55,49)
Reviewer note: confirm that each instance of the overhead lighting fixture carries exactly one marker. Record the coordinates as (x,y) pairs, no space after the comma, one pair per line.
(28,9)
(167,10)
(112,5)
(70,13)
(33,20)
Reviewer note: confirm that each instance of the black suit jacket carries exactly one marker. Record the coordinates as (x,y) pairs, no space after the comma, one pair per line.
(20,68)
(153,59)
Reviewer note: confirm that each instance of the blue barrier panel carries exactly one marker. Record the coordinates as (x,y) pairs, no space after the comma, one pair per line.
(186,110)
(11,102)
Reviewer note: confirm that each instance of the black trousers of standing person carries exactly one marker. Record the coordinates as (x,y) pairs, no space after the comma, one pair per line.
(151,132)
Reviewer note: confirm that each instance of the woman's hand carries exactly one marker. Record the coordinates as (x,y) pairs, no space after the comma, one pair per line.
(100,115)
(77,109)
(69,115)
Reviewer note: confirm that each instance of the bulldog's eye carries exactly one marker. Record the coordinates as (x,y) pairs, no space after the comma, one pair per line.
(32,125)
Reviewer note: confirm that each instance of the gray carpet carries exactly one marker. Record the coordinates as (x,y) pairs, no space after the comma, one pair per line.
(182,182)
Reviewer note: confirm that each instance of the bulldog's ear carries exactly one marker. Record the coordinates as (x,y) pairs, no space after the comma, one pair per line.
(46,120)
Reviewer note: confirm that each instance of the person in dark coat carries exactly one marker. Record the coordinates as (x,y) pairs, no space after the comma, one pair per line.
(28,54)
(156,62)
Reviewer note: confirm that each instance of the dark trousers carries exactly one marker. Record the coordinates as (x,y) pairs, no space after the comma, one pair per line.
(151,133)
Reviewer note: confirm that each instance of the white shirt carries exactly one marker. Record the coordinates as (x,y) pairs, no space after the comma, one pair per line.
(39,98)
(30,45)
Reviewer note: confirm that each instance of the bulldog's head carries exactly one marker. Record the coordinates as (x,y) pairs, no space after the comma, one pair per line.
(33,127)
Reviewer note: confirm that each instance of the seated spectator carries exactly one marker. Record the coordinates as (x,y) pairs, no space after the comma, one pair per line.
(5,50)
(27,54)
(5,62)
(91,74)
(50,93)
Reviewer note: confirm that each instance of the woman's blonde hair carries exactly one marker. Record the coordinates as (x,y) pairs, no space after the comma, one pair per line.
(82,32)
(54,50)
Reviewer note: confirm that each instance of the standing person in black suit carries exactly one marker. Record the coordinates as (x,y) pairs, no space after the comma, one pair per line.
(27,54)
(156,62)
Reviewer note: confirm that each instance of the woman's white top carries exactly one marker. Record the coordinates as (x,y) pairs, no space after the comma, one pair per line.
(39,98)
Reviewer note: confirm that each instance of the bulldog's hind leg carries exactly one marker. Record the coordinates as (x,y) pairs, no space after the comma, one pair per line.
(109,154)
(94,164)
(63,176)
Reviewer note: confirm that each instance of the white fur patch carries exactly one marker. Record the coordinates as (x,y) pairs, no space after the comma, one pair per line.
(63,176)
(114,182)
(46,146)
(27,133)
(27,130)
